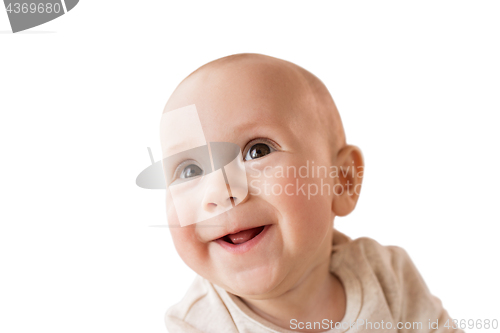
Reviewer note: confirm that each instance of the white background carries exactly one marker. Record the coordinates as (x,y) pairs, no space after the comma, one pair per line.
(417,85)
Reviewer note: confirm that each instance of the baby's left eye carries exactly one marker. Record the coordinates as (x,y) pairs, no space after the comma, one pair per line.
(257,151)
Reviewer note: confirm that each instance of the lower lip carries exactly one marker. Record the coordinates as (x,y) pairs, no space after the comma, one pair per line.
(243,247)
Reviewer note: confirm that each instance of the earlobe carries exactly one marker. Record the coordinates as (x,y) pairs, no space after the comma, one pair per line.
(349,162)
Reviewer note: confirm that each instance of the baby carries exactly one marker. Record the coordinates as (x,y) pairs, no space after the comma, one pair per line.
(257,168)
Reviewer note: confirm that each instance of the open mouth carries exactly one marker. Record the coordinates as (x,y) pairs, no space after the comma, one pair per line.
(243,236)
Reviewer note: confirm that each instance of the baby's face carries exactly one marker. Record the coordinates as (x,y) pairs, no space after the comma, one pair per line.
(286,227)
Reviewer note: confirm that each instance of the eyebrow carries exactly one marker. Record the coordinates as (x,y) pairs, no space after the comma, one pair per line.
(180,130)
(174,147)
(177,145)
(256,125)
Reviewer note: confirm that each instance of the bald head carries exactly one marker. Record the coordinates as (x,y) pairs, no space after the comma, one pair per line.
(285,93)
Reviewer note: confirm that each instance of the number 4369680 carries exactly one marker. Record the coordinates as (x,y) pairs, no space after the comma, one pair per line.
(33,8)
(471,323)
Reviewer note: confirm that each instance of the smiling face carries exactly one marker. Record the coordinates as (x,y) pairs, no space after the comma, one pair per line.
(266,243)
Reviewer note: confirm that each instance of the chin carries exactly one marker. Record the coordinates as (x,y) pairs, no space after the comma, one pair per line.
(254,282)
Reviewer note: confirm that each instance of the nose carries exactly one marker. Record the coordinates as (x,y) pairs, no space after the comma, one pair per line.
(217,197)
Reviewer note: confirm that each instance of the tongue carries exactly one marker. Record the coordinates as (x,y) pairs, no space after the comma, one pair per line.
(245,235)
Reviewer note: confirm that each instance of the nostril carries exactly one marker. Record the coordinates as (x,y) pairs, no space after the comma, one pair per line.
(211,206)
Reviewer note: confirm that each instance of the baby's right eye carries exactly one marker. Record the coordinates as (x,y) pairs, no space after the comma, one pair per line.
(192,170)
(187,170)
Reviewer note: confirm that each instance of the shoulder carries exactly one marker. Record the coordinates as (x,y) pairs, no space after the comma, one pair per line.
(197,309)
(389,268)
(175,317)
(391,264)
(381,258)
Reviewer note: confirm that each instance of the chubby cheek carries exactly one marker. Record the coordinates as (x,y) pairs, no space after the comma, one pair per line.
(192,251)
(306,217)
(305,211)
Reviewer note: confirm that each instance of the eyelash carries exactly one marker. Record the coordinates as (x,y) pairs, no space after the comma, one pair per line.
(178,170)
(273,145)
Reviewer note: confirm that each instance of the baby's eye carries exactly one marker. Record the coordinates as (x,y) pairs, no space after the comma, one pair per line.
(258,150)
(192,170)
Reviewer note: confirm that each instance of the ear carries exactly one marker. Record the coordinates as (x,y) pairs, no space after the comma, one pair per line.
(350,165)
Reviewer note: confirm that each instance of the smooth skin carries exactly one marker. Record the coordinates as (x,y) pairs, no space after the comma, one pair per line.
(248,99)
